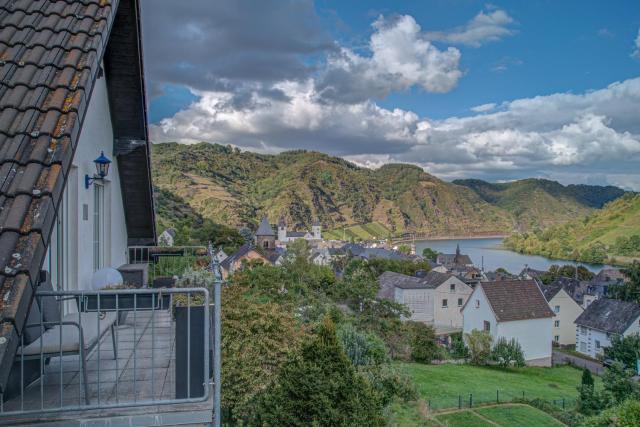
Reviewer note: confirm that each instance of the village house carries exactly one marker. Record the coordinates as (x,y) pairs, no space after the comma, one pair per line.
(454,260)
(246,255)
(434,299)
(167,237)
(513,309)
(77,202)
(560,296)
(602,319)
(287,236)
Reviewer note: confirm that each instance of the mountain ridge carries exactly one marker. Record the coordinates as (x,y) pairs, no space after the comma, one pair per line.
(234,187)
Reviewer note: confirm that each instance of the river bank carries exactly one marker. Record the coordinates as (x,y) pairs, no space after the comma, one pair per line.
(490,254)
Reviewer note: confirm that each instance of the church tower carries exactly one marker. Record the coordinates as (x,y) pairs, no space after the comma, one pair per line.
(282,229)
(316,229)
(265,236)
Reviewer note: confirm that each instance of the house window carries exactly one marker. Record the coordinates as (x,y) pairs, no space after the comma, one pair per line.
(556,338)
(598,344)
(477,303)
(444,303)
(487,326)
(452,287)
(583,347)
(459,302)
(556,324)
(98,226)
(556,309)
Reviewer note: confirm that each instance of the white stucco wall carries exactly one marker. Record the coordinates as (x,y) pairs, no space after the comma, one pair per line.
(476,312)
(568,312)
(77,237)
(451,315)
(419,302)
(534,336)
(592,341)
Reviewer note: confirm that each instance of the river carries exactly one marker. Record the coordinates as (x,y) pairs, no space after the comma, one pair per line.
(494,255)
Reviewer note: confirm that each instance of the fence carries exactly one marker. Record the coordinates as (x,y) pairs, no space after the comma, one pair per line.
(113,349)
(471,400)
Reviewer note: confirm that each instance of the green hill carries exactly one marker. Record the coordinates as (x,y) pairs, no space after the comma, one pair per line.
(233,187)
(612,232)
(540,202)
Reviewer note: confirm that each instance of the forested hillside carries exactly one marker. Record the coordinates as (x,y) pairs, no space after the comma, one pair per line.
(232,187)
(610,234)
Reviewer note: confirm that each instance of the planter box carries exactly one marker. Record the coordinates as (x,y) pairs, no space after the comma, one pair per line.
(190,351)
(143,302)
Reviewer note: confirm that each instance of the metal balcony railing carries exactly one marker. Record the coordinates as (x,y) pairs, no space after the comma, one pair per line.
(112,349)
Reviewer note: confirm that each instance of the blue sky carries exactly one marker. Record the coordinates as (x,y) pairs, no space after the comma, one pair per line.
(558,46)
(400,81)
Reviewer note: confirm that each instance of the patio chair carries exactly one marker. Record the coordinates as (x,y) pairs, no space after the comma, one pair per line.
(73,334)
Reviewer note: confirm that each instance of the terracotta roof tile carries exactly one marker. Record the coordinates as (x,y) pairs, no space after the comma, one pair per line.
(50,55)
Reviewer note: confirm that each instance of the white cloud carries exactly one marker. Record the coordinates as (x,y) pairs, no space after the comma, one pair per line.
(484,108)
(483,28)
(636,52)
(400,57)
(595,133)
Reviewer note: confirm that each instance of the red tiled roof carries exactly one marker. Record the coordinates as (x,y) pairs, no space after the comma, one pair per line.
(50,54)
(516,300)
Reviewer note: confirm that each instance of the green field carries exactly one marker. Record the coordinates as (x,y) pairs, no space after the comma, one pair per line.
(447,386)
(462,419)
(504,416)
(370,231)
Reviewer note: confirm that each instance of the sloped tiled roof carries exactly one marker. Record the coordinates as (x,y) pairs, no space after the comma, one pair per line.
(265,228)
(390,280)
(516,300)
(570,285)
(609,315)
(50,54)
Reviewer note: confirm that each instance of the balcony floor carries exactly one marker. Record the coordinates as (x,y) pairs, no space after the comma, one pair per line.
(143,371)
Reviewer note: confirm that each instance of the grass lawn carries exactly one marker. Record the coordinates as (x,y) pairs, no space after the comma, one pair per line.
(462,419)
(518,416)
(442,384)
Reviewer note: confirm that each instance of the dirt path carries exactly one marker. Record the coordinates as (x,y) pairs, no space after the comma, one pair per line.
(493,423)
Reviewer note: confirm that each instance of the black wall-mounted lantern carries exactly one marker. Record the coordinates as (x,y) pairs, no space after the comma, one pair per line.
(102,170)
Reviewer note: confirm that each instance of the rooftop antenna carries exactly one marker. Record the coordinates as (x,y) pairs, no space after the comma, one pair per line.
(482,263)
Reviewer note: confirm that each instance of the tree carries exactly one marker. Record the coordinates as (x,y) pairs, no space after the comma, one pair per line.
(626,414)
(424,347)
(479,345)
(507,353)
(404,249)
(320,387)
(362,348)
(624,349)
(630,290)
(589,400)
(257,339)
(430,254)
(458,349)
(617,381)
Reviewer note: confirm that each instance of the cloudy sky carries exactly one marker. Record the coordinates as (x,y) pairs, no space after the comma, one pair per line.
(463,88)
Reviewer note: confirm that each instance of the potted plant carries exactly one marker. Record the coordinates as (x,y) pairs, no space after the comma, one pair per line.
(189,315)
(113,301)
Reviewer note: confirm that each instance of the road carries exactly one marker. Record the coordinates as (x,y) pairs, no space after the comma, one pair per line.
(560,358)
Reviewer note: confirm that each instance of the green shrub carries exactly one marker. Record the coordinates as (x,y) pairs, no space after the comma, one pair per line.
(362,348)
(479,345)
(424,348)
(507,353)
(626,414)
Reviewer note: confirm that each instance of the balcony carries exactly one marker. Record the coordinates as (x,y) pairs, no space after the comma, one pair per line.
(127,356)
